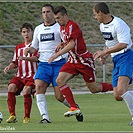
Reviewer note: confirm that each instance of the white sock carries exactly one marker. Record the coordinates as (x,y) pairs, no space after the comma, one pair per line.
(66,103)
(131,92)
(128,98)
(42,106)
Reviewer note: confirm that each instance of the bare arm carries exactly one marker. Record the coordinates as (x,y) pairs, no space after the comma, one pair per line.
(66,49)
(31,59)
(108,51)
(30,50)
(9,67)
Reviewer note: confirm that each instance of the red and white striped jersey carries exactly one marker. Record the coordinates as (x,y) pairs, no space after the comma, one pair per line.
(25,68)
(79,54)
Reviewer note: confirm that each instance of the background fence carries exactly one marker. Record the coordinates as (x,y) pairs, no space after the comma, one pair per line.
(103,72)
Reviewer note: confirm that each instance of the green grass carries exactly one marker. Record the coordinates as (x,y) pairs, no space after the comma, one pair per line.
(101,113)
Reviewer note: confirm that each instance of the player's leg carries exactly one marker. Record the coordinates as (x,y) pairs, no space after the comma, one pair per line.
(67,72)
(88,74)
(121,92)
(99,87)
(62,78)
(121,78)
(54,75)
(14,88)
(41,100)
(60,97)
(27,101)
(42,81)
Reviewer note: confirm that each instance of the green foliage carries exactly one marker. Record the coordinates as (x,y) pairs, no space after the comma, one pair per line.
(15,13)
(101,113)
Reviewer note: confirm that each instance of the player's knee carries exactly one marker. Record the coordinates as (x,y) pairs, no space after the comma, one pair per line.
(117,97)
(26,90)
(40,89)
(12,88)
(59,81)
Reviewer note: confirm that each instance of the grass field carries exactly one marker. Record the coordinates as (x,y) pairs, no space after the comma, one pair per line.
(101,113)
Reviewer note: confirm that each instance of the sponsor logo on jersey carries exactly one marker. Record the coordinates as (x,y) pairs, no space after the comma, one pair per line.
(107,35)
(47,37)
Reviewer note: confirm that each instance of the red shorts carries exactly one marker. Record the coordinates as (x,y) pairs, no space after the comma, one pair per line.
(86,71)
(20,83)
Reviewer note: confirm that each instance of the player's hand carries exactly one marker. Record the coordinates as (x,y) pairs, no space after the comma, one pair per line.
(52,58)
(7,68)
(60,46)
(22,58)
(26,51)
(98,54)
(102,60)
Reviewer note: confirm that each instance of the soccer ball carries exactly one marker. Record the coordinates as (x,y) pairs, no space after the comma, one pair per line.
(1,117)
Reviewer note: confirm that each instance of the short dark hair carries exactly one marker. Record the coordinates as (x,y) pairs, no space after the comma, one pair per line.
(102,6)
(49,5)
(60,9)
(27,26)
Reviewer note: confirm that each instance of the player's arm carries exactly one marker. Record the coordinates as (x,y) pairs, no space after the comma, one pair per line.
(12,65)
(104,58)
(31,59)
(116,48)
(66,49)
(60,46)
(30,50)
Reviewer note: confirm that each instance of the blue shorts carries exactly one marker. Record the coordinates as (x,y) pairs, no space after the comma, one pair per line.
(49,72)
(123,66)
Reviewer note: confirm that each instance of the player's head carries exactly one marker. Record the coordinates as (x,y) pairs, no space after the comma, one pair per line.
(99,10)
(49,5)
(102,6)
(60,14)
(27,32)
(48,13)
(27,26)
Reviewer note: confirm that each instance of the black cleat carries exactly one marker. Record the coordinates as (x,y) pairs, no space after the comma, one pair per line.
(44,121)
(79,117)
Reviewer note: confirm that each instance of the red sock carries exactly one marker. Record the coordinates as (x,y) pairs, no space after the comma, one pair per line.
(27,105)
(11,101)
(65,90)
(106,87)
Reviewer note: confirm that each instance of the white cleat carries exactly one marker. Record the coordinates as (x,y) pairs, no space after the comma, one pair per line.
(72,111)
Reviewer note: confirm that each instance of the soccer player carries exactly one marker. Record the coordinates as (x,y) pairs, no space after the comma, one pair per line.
(118,42)
(23,79)
(80,60)
(46,37)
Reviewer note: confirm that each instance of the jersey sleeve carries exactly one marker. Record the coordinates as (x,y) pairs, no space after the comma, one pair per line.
(123,33)
(15,60)
(35,41)
(75,31)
